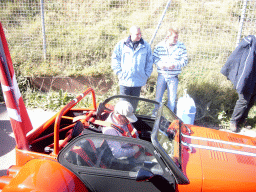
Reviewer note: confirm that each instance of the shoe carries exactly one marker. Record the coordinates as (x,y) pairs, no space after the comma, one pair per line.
(247,126)
(233,127)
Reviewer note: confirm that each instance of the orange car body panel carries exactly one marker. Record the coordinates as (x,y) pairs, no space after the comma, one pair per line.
(219,163)
(45,175)
(191,167)
(23,156)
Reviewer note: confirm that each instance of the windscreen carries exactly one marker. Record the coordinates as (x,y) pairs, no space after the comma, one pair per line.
(141,106)
(166,140)
(167,133)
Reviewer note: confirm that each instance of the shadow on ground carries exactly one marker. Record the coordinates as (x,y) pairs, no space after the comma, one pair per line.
(7,142)
(3,172)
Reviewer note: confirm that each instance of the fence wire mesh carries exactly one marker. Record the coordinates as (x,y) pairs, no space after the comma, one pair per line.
(67,36)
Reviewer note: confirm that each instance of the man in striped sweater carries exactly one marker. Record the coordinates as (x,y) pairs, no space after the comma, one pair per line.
(170,56)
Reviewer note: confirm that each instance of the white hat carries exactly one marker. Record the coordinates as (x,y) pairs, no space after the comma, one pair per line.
(125,108)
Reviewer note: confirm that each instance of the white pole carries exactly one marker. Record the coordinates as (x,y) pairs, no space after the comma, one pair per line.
(43,29)
(160,21)
(241,23)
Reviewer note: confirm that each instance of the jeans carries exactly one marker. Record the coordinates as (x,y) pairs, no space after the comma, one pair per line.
(133,91)
(169,83)
(242,107)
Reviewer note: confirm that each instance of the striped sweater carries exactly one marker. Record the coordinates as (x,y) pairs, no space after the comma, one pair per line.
(165,56)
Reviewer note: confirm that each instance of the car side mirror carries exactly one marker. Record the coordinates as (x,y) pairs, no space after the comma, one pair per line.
(144,175)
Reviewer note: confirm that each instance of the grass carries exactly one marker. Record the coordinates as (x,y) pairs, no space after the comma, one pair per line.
(81,37)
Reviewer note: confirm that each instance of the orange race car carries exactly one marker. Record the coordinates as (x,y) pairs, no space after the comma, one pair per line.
(70,153)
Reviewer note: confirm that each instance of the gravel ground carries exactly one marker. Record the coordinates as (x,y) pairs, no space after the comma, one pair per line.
(38,117)
(243,131)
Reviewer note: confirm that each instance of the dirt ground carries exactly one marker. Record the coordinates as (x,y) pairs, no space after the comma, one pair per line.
(243,131)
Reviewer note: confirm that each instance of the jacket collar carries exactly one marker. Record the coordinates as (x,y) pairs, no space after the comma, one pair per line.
(133,45)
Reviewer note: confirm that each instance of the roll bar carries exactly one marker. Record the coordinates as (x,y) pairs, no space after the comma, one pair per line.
(64,110)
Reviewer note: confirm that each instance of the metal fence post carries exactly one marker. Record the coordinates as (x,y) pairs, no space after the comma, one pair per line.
(241,22)
(43,29)
(160,21)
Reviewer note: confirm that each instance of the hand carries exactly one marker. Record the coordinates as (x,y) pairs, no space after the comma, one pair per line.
(168,68)
(136,148)
(172,67)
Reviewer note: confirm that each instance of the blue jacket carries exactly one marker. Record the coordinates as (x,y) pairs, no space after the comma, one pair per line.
(133,67)
(240,67)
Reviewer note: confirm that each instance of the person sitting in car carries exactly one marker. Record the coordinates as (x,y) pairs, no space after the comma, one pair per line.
(120,125)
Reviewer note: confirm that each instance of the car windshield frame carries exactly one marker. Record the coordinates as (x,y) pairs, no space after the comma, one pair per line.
(171,131)
(156,111)
(149,110)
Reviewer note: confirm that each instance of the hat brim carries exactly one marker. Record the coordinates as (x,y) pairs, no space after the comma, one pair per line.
(132,118)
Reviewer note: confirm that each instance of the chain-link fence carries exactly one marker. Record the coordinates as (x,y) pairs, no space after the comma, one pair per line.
(77,37)
(62,37)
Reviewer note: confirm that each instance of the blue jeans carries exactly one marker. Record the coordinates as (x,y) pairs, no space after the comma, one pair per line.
(169,83)
(133,91)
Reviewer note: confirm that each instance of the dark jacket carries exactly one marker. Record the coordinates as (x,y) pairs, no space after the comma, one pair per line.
(240,67)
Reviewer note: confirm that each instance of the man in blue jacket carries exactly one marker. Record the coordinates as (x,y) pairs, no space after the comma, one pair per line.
(132,62)
(240,69)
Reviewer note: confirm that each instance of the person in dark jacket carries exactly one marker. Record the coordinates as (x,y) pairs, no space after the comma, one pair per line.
(240,69)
